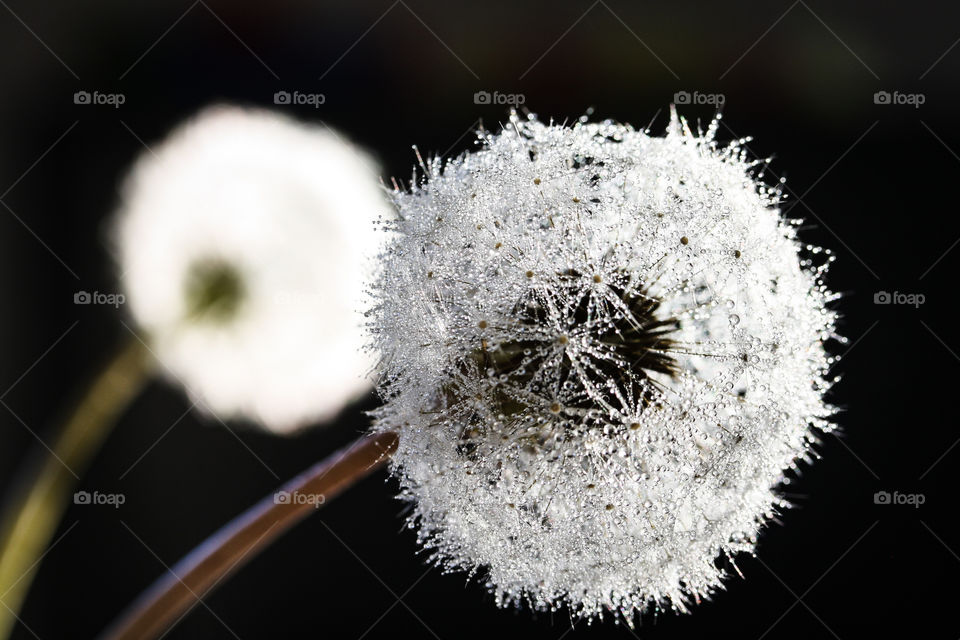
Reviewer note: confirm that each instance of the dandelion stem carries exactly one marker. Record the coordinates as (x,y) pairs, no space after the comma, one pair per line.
(46,482)
(168,599)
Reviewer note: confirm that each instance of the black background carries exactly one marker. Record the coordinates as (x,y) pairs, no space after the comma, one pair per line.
(877,183)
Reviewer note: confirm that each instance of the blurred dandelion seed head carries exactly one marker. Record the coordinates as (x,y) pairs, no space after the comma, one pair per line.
(604,351)
(245,240)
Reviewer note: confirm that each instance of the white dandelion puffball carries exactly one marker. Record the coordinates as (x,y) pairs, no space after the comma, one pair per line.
(602,351)
(244,241)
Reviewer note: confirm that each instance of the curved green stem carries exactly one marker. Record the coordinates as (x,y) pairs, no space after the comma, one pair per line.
(44,488)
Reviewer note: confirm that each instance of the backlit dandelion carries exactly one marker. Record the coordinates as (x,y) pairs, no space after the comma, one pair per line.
(243,241)
(602,351)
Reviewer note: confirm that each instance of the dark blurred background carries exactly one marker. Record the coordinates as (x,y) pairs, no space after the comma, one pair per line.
(871,175)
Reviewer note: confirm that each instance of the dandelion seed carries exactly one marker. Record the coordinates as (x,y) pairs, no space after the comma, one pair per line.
(614,407)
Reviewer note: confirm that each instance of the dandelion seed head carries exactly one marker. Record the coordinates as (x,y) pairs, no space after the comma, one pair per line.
(244,241)
(603,351)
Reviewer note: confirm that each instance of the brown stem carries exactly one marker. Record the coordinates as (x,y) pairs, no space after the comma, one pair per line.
(174,593)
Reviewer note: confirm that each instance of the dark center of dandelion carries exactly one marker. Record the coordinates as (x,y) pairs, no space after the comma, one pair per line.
(628,341)
(214,290)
